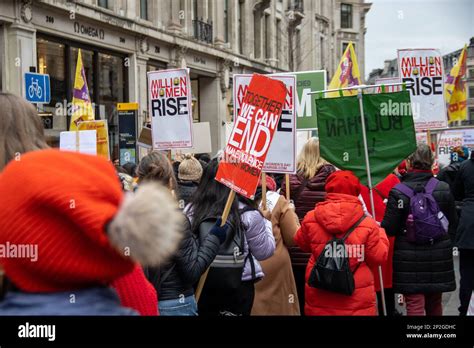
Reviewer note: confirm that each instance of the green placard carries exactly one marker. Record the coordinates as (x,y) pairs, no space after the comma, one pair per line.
(389,127)
(306,82)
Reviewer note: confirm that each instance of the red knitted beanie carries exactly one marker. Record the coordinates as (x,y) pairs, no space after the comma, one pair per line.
(60,202)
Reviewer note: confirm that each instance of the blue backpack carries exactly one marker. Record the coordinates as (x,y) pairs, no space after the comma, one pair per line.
(425,223)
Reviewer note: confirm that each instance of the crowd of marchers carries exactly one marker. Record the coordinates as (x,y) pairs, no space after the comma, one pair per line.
(148,238)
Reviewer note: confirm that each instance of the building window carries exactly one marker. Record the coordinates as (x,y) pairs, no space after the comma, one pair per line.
(226,20)
(195,10)
(278,41)
(257,22)
(346,16)
(103,3)
(144,9)
(267,36)
(240,29)
(471,73)
(471,92)
(195,99)
(344,47)
(321,53)
(471,114)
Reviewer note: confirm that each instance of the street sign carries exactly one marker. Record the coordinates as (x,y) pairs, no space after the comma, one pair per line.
(37,88)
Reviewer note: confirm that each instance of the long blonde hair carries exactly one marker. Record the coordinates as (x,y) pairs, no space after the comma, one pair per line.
(21,129)
(309,159)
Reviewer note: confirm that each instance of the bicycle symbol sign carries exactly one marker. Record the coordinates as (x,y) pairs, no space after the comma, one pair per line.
(37,88)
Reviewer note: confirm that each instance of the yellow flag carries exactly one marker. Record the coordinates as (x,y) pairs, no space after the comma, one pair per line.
(347,73)
(81,101)
(455,90)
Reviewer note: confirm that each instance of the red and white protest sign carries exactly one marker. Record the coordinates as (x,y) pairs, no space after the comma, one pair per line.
(422,70)
(251,137)
(169,95)
(281,157)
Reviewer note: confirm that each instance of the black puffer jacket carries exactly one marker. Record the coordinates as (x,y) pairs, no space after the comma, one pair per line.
(191,261)
(186,190)
(420,268)
(464,191)
(448,174)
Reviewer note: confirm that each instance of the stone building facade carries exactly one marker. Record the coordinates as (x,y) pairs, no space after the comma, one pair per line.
(122,40)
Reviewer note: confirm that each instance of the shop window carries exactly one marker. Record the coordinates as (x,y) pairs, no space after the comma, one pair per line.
(106,79)
(111,92)
(51,60)
(88,61)
(195,100)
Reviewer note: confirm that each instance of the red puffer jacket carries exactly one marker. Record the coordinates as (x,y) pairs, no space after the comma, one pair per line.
(309,196)
(381,192)
(334,217)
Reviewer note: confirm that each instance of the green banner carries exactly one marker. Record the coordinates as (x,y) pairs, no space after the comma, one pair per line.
(306,82)
(389,127)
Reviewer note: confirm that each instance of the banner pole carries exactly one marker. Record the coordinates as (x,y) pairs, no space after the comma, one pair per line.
(225,215)
(264,190)
(287,183)
(362,87)
(369,182)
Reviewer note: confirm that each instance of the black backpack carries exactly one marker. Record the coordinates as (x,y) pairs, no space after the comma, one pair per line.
(332,272)
(225,272)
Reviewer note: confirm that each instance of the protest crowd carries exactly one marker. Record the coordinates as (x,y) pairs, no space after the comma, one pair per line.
(362,222)
(137,239)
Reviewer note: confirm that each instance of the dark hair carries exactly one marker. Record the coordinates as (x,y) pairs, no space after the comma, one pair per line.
(131,168)
(210,198)
(422,158)
(203,157)
(120,169)
(156,167)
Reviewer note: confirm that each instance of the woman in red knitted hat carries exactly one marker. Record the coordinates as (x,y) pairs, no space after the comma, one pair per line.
(367,244)
(71,209)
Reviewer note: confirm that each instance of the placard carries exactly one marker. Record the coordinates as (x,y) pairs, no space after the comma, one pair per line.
(422,70)
(170,107)
(251,137)
(281,157)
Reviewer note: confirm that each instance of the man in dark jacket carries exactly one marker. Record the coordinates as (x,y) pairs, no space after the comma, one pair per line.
(448,174)
(464,191)
(421,272)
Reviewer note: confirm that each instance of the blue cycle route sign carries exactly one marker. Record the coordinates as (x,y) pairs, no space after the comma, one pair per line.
(37,88)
